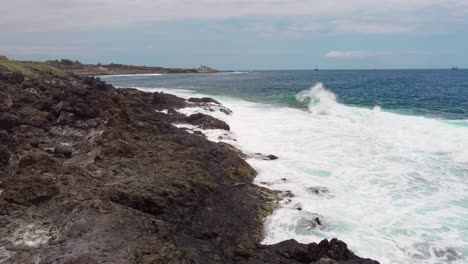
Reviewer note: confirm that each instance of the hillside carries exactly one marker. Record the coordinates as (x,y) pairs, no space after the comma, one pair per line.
(117,69)
(29,69)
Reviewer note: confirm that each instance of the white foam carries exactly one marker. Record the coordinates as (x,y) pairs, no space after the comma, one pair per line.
(215,135)
(130,75)
(184,93)
(31,235)
(164,111)
(398,183)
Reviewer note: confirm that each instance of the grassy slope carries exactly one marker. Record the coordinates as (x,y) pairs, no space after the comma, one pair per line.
(28,68)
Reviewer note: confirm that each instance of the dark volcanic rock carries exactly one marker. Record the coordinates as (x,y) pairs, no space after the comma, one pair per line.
(272,157)
(15,77)
(133,188)
(291,251)
(207,122)
(63,150)
(263,156)
(167,101)
(4,156)
(203,100)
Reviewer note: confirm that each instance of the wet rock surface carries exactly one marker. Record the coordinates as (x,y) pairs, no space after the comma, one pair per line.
(320,191)
(93,174)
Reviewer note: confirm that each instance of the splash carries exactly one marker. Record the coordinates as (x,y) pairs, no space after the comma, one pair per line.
(321,101)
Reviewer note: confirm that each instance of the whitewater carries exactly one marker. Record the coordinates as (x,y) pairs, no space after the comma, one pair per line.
(381,162)
(397,185)
(393,186)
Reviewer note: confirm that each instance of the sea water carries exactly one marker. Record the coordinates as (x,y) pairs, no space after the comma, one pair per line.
(380,157)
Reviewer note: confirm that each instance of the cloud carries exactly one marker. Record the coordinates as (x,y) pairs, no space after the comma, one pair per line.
(353,54)
(369,28)
(361,16)
(377,54)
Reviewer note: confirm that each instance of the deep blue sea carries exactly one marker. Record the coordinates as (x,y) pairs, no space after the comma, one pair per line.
(388,149)
(434,93)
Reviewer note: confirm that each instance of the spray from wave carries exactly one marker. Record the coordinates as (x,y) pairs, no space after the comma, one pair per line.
(320,100)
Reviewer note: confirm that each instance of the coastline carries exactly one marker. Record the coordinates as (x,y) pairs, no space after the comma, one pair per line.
(96,174)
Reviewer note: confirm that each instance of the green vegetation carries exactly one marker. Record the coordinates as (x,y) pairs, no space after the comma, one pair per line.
(29,69)
(62,66)
(65,63)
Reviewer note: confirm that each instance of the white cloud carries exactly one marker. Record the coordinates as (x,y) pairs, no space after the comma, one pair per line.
(369,28)
(353,54)
(374,54)
(359,16)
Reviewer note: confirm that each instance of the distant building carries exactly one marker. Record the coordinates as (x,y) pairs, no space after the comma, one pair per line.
(3,57)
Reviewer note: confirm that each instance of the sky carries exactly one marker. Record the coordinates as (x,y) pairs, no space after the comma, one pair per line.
(240,34)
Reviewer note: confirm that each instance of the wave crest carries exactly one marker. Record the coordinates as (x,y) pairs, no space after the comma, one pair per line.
(320,100)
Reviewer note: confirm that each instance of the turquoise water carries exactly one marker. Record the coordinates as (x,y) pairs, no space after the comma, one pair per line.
(390,146)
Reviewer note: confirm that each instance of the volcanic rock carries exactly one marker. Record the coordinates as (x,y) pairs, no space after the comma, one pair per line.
(167,101)
(134,188)
(207,122)
(203,100)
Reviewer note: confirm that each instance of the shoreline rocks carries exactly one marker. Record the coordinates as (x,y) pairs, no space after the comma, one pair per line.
(94,174)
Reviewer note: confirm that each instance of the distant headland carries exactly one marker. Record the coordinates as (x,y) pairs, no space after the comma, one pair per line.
(76,67)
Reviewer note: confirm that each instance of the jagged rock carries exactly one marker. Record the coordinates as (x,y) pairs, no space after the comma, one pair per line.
(4,156)
(96,83)
(167,101)
(32,116)
(5,101)
(27,189)
(33,157)
(15,77)
(35,142)
(8,121)
(207,122)
(63,150)
(290,251)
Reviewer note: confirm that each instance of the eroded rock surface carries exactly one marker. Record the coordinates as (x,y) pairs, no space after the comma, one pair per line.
(93,174)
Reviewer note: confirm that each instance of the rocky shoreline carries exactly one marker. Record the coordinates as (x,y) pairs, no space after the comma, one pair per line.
(94,174)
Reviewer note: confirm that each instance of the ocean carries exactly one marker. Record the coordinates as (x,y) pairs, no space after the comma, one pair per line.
(380,156)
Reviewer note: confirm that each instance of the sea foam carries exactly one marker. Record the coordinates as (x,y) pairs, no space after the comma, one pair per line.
(394,187)
(397,184)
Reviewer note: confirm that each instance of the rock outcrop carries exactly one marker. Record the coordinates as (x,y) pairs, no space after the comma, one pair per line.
(93,174)
(207,122)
